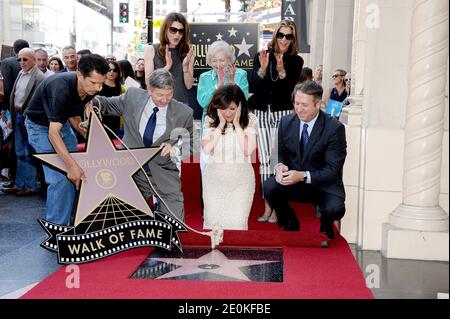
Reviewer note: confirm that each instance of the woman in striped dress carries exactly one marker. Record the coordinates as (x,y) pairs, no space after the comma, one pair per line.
(276,71)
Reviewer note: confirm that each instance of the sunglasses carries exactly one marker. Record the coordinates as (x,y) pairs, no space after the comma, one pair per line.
(112,70)
(336,75)
(281,35)
(174,30)
(22,59)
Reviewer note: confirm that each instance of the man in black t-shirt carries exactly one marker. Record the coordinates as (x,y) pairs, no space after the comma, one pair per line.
(54,108)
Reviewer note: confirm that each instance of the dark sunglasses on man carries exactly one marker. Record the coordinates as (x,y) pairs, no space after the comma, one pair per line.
(174,30)
(281,35)
(22,59)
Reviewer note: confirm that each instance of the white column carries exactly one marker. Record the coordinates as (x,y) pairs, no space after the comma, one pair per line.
(420,216)
(316,32)
(425,120)
(351,116)
(337,49)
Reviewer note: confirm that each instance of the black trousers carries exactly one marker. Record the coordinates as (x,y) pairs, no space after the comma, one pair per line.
(331,207)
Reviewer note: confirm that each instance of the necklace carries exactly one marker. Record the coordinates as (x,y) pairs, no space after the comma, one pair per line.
(271,76)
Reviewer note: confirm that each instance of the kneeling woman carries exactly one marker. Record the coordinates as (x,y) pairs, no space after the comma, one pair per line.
(229,138)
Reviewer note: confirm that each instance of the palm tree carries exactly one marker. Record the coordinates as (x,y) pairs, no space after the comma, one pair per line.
(244,5)
(227,9)
(227,5)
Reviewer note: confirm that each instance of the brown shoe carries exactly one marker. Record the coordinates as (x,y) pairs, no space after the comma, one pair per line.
(12,190)
(24,192)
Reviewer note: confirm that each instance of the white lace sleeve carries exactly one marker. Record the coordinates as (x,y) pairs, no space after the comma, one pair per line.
(252,127)
(207,124)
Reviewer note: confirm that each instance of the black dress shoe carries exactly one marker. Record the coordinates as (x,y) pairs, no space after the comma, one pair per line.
(292,226)
(328,230)
(326,227)
(281,223)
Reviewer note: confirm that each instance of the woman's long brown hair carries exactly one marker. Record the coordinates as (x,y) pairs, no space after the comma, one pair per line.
(183,46)
(274,44)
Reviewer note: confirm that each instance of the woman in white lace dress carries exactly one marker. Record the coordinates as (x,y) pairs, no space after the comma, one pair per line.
(229,138)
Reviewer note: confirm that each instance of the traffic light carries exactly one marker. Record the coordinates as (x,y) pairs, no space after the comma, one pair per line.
(123,12)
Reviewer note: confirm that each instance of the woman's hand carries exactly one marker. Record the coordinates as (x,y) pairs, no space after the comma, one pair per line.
(231,73)
(264,60)
(222,121)
(237,116)
(169,61)
(188,60)
(221,77)
(280,64)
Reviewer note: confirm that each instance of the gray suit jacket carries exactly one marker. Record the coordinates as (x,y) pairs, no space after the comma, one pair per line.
(179,122)
(35,79)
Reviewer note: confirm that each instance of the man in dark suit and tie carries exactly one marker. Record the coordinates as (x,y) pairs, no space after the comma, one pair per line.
(311,153)
(154,118)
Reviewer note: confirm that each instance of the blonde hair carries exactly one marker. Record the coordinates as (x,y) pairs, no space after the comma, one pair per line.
(220,46)
(341,72)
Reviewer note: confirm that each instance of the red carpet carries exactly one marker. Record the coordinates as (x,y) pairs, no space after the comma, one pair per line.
(309,272)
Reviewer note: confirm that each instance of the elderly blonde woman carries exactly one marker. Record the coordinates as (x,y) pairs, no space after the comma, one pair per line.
(221,58)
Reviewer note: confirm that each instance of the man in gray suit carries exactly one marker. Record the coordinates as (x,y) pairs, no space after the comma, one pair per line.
(26,83)
(10,69)
(153,118)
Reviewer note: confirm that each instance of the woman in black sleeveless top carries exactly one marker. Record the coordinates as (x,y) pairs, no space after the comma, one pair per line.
(174,54)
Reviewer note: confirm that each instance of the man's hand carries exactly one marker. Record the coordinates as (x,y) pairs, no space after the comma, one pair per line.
(167,149)
(76,174)
(78,126)
(291,178)
(88,109)
(280,169)
(82,130)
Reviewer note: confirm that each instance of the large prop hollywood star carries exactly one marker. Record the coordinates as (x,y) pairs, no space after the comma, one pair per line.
(111,213)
